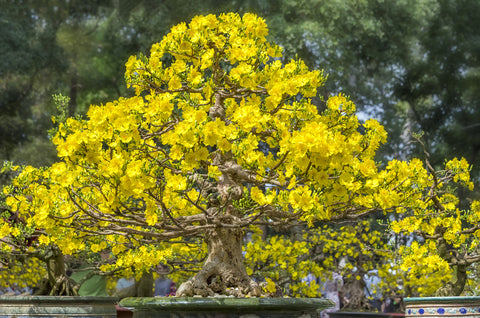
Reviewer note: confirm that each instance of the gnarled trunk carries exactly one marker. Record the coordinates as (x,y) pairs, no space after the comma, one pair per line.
(224,270)
(459,276)
(57,283)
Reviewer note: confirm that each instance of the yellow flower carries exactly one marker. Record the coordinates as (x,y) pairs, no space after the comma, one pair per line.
(301,199)
(214,172)
(174,83)
(270,287)
(4,230)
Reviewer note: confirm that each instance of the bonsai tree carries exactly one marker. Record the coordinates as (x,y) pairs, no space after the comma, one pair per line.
(220,138)
(30,267)
(26,266)
(305,263)
(444,232)
(18,272)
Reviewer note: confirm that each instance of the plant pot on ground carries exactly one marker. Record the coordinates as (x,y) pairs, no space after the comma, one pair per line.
(57,306)
(225,307)
(451,306)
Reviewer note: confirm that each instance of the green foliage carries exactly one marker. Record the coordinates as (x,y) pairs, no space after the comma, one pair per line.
(440,81)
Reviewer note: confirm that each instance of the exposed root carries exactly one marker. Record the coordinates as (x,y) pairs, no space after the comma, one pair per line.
(223,272)
(63,286)
(213,285)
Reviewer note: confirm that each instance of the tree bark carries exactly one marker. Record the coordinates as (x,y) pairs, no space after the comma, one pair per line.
(57,282)
(459,280)
(459,276)
(224,271)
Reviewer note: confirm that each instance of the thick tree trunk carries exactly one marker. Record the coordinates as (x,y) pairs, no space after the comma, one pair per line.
(459,279)
(459,276)
(57,282)
(224,270)
(56,267)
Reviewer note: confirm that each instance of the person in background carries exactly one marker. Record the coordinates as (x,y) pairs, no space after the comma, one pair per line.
(330,291)
(372,290)
(123,283)
(164,286)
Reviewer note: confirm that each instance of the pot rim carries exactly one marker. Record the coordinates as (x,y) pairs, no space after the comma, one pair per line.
(226,303)
(56,299)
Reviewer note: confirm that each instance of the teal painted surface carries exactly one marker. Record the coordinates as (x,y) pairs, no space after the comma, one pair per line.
(193,307)
(450,299)
(57,307)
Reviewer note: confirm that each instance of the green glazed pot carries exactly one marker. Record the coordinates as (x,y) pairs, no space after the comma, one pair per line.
(225,307)
(444,307)
(57,307)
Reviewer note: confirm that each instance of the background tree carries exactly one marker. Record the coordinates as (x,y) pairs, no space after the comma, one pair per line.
(25,58)
(438,84)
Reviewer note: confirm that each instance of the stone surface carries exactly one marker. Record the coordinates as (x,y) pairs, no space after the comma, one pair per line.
(218,307)
(57,307)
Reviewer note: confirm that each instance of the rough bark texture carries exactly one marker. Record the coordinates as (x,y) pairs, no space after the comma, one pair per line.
(459,276)
(144,286)
(224,270)
(57,282)
(456,286)
(355,289)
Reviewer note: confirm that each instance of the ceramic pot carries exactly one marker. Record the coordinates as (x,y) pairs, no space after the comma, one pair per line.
(57,307)
(444,307)
(225,307)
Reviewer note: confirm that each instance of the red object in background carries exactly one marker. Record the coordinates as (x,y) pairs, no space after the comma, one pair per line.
(124,312)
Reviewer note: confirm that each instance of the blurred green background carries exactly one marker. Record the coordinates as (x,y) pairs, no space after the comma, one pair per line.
(412,64)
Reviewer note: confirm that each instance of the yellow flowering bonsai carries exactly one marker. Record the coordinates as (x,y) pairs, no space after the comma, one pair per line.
(20,265)
(308,264)
(220,138)
(443,233)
